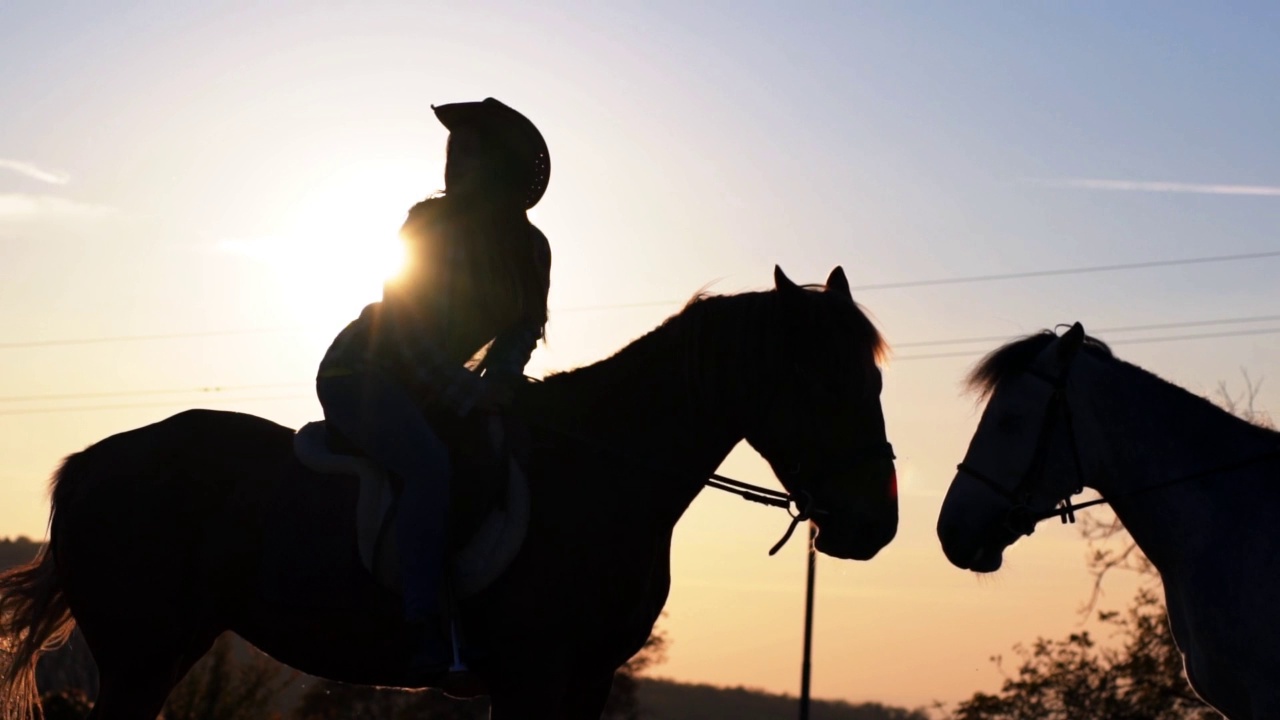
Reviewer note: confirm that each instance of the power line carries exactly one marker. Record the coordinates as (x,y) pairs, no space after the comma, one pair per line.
(656,303)
(1071,271)
(135,393)
(140,338)
(1084,270)
(125,406)
(1118,328)
(1132,341)
(929,356)
(220,389)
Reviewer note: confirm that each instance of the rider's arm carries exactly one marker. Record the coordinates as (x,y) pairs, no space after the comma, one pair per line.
(511,350)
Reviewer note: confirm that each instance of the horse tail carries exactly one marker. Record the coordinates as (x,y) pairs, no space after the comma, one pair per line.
(34,617)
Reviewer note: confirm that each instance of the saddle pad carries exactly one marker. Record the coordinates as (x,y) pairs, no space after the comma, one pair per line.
(486,555)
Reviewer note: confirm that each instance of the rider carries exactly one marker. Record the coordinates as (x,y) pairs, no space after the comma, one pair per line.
(476,271)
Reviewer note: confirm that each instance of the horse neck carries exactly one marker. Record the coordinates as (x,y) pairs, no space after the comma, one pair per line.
(1150,432)
(665,411)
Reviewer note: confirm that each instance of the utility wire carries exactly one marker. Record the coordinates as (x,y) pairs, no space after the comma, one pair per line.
(135,393)
(623,306)
(1118,328)
(221,389)
(929,356)
(139,338)
(1133,341)
(1085,270)
(87,408)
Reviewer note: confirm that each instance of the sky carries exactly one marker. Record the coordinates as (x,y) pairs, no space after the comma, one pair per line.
(221,183)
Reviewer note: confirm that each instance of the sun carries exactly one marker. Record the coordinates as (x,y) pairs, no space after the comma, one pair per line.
(339,245)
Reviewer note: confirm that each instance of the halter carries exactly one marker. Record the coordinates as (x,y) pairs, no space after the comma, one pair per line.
(1020,519)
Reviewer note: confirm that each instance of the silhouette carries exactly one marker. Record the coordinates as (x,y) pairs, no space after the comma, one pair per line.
(1194,485)
(157,534)
(475,279)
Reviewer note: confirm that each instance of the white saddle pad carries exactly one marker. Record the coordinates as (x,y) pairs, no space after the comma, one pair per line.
(485,557)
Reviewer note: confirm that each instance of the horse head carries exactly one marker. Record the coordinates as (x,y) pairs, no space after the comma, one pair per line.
(1024,458)
(817,418)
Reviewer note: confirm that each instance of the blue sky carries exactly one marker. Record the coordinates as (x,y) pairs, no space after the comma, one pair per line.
(178,167)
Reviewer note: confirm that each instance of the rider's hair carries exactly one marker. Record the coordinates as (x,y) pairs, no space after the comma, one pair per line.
(499,252)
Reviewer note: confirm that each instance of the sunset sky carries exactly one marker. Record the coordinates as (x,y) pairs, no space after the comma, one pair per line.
(225,180)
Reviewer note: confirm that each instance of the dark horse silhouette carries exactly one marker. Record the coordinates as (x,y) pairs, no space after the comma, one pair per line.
(157,534)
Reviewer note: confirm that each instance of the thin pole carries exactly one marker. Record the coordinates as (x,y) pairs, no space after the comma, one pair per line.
(808,626)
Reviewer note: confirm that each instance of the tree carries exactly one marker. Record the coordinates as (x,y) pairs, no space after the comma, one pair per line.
(1075,678)
(624,701)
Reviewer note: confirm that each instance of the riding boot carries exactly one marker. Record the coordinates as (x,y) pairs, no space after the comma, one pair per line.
(421,540)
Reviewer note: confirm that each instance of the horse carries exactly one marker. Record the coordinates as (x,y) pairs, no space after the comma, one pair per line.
(157,535)
(1197,488)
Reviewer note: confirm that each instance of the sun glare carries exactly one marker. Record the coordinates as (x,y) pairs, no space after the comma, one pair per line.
(338,246)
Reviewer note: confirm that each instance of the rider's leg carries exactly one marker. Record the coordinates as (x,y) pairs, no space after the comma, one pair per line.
(378,415)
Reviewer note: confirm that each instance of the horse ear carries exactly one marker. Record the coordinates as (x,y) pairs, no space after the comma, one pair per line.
(1070,342)
(837,282)
(782,282)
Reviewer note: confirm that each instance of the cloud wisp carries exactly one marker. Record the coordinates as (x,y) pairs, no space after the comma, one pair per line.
(17,207)
(35,172)
(1158,186)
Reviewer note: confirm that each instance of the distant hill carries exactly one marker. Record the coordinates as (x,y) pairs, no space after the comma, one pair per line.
(17,551)
(670,700)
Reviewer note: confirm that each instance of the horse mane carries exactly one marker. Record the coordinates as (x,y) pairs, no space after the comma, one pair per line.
(708,320)
(1016,356)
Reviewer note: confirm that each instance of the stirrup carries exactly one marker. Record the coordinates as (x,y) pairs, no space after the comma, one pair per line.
(458,665)
(459,682)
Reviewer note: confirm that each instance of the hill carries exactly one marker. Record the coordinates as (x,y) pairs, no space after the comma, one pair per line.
(662,699)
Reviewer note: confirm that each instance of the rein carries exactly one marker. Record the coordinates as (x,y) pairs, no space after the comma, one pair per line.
(1021,520)
(773,498)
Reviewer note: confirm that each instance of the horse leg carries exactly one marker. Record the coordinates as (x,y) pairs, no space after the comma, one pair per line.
(589,695)
(527,696)
(533,702)
(138,669)
(524,708)
(583,697)
(135,685)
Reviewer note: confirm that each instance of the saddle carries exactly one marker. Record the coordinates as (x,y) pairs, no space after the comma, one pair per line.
(476,561)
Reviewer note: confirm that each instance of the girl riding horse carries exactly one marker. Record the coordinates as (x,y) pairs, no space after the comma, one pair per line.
(477,273)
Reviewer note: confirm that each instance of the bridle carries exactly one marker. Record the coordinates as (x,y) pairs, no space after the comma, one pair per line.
(1020,519)
(802,500)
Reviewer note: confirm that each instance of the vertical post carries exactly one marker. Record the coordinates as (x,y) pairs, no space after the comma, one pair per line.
(808,625)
